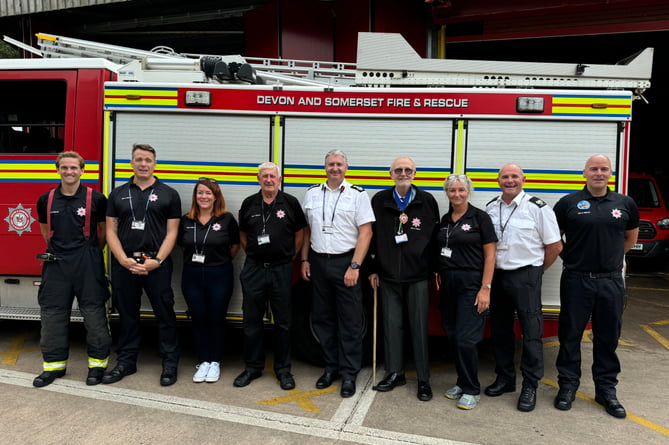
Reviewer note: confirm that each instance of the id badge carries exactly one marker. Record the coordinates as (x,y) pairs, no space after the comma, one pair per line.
(328,229)
(502,245)
(446,252)
(137,225)
(198,258)
(263,239)
(403,238)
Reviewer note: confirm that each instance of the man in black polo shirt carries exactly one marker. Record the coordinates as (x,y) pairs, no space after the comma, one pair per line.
(600,226)
(70,216)
(271,225)
(142,226)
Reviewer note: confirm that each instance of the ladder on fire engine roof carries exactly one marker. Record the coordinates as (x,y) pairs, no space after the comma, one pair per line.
(388,60)
(285,71)
(383,59)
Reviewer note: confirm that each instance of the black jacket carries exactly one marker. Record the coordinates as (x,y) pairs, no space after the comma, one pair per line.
(409,261)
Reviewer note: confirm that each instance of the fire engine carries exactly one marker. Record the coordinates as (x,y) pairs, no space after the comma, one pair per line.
(221,116)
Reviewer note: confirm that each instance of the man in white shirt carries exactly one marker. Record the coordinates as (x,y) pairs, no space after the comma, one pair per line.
(529,242)
(340,221)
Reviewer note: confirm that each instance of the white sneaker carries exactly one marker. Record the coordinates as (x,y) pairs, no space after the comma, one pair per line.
(453,393)
(201,373)
(468,401)
(213,373)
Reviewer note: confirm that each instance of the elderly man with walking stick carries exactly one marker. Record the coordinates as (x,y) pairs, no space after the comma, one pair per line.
(406,222)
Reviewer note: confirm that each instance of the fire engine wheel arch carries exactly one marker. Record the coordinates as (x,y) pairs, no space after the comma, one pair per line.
(305,344)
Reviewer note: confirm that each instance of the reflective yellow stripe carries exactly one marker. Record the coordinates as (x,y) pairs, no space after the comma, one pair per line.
(107,156)
(590,100)
(156,93)
(588,110)
(277,141)
(54,366)
(97,362)
(459,165)
(140,102)
(51,176)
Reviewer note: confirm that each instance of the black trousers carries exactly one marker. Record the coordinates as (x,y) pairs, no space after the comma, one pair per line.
(207,290)
(395,297)
(127,293)
(582,297)
(79,274)
(463,324)
(517,291)
(337,314)
(260,285)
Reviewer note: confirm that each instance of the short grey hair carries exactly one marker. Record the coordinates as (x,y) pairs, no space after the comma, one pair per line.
(335,152)
(268,165)
(463,179)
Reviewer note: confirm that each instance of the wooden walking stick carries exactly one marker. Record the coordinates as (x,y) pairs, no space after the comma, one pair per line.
(374,344)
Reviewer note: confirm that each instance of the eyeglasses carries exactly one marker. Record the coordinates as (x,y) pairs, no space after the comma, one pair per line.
(406,171)
(203,179)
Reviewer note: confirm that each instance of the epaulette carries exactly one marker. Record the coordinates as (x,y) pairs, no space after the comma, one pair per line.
(539,202)
(358,188)
(313,186)
(491,201)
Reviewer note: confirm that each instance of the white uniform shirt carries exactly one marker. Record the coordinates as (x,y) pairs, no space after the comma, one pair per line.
(335,215)
(523,228)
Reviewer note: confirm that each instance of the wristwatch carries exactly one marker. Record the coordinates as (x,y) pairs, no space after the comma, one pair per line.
(160,262)
(355,265)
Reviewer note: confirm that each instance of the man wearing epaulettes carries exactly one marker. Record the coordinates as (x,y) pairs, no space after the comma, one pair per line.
(529,242)
(340,220)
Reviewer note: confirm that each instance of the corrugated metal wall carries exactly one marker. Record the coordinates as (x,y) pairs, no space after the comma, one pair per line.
(21,7)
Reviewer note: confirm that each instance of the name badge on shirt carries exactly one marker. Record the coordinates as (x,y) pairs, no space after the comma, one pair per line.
(502,245)
(198,258)
(328,229)
(263,239)
(446,252)
(403,238)
(137,225)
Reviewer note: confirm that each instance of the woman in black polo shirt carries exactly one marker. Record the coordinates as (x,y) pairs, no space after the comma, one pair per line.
(466,263)
(209,236)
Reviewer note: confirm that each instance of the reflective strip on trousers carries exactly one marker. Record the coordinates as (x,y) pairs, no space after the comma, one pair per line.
(98,362)
(54,366)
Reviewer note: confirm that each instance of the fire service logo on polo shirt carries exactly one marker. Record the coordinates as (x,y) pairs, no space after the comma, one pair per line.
(19,219)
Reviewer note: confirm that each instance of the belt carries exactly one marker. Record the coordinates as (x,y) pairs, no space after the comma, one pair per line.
(596,275)
(332,255)
(270,265)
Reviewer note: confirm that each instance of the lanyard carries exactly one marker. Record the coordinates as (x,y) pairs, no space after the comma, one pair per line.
(262,211)
(204,240)
(502,228)
(448,229)
(334,209)
(132,210)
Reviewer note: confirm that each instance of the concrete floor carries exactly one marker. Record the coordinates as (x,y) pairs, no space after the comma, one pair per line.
(138,410)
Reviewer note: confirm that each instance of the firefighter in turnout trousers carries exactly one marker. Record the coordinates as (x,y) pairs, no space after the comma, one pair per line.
(72,221)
